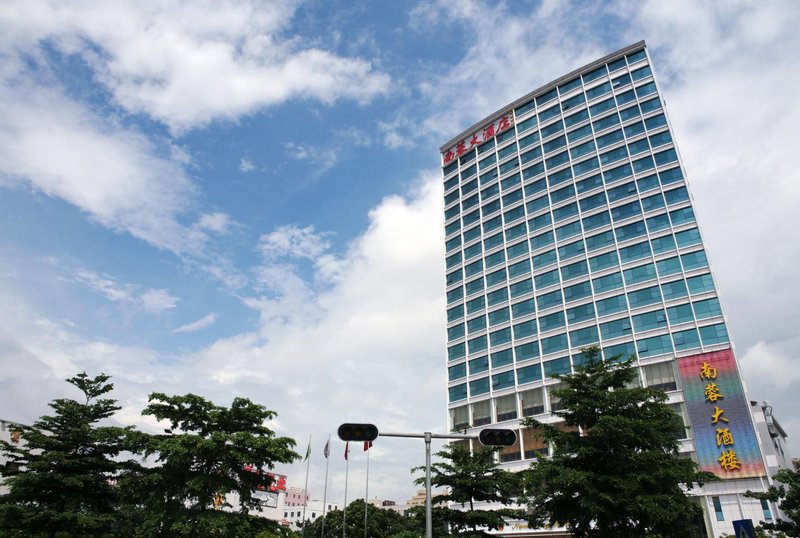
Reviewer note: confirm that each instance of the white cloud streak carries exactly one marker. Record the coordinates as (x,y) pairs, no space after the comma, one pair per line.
(200,324)
(153,301)
(158,300)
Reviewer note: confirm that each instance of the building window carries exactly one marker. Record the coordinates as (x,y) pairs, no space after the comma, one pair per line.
(661,375)
(532,402)
(555,401)
(765,508)
(481,413)
(718,508)
(459,418)
(506,407)
(533,444)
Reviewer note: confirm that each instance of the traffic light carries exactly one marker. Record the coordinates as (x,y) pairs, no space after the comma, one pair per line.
(497,437)
(358,432)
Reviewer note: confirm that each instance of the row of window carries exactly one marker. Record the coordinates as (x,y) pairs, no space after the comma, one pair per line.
(543,214)
(530,150)
(645,164)
(535,207)
(531,401)
(700,310)
(580,337)
(545,227)
(710,335)
(590,335)
(600,284)
(593,148)
(566,251)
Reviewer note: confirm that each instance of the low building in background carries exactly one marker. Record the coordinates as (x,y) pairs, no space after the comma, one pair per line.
(314,509)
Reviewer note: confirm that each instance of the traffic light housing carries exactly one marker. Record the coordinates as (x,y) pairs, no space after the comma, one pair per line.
(358,432)
(497,437)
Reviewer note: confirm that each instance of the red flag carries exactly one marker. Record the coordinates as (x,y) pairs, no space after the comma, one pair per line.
(346,449)
(367,445)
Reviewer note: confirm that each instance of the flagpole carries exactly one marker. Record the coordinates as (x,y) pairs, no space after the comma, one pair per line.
(326,452)
(366,494)
(346,473)
(305,501)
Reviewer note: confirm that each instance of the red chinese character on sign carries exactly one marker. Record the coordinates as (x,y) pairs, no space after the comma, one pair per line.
(504,124)
(460,149)
(279,482)
(449,156)
(488,132)
(474,141)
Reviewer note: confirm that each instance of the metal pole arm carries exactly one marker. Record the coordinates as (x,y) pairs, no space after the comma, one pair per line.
(430,435)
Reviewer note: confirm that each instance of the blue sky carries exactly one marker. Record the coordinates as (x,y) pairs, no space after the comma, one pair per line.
(243,198)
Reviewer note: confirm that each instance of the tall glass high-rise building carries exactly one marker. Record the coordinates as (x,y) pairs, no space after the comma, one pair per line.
(569,223)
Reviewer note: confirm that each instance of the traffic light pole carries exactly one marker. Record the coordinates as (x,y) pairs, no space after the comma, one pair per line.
(368,432)
(428,436)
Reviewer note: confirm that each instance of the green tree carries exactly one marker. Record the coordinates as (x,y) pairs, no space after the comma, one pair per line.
(415,522)
(380,523)
(620,475)
(208,453)
(786,494)
(473,477)
(65,467)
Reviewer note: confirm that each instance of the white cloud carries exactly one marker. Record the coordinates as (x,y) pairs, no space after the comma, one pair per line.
(216,222)
(113,174)
(202,323)
(396,133)
(294,242)
(153,301)
(189,63)
(352,136)
(246,165)
(323,158)
(104,284)
(158,300)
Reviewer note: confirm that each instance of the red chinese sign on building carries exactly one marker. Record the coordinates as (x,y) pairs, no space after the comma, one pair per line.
(278,480)
(478,137)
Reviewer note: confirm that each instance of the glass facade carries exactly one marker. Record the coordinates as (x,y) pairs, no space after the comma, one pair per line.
(568,224)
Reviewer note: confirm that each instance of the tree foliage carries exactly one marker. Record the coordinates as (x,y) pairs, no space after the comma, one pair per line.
(69,475)
(786,494)
(620,474)
(381,523)
(208,453)
(61,483)
(472,477)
